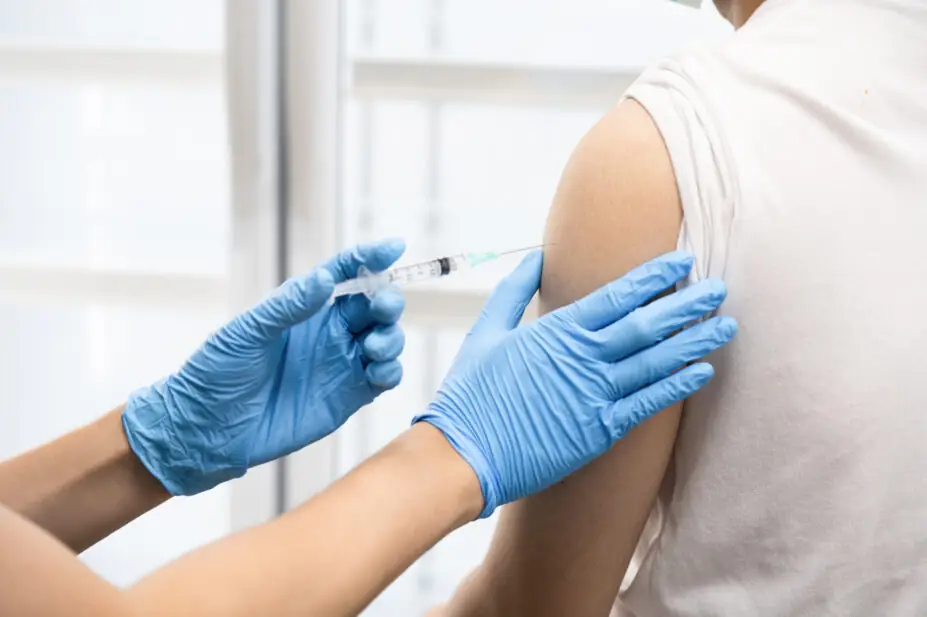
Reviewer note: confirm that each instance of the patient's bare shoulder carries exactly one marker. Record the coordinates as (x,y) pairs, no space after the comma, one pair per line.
(617,206)
(565,551)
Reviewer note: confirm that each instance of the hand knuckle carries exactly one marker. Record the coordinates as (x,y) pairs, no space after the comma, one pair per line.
(373,346)
(617,296)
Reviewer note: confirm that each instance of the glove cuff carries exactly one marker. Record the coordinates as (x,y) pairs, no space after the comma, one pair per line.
(148,420)
(471,454)
(146,423)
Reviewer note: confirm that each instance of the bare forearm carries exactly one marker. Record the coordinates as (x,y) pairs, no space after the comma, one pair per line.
(334,554)
(82,487)
(328,558)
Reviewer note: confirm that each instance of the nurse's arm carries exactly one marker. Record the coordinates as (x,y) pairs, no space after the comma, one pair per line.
(83,486)
(565,551)
(331,556)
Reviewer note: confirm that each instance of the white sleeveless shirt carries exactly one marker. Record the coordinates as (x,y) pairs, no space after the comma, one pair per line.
(799,480)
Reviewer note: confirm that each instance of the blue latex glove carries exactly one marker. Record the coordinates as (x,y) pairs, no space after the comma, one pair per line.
(527,406)
(273,380)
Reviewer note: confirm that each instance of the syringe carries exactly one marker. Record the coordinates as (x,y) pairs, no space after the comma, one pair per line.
(369,283)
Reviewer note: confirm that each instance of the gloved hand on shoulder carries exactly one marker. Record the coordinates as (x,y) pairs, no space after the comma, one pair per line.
(525,406)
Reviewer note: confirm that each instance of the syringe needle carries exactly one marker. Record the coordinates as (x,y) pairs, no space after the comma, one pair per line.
(366,283)
(521,250)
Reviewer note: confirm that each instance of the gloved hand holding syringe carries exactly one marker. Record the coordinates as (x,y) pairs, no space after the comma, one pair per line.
(369,283)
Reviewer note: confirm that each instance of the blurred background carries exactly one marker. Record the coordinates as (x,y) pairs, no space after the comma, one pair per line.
(164,164)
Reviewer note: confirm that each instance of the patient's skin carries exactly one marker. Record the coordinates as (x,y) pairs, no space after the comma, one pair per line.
(737,12)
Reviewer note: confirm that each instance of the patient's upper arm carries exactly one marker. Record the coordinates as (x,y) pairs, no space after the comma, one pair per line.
(565,551)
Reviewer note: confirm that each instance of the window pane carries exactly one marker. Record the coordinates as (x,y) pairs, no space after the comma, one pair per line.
(455,177)
(163,25)
(115,177)
(585,32)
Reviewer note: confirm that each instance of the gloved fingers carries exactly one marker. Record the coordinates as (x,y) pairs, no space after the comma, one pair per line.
(651,324)
(631,410)
(384,375)
(383,343)
(295,301)
(507,303)
(377,256)
(662,360)
(614,301)
(360,313)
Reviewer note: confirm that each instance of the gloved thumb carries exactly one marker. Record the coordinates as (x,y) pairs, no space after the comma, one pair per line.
(506,306)
(292,303)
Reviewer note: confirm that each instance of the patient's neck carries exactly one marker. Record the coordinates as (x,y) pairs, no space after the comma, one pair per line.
(741,10)
(737,11)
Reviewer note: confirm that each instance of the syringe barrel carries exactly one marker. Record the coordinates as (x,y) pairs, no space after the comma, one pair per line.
(415,273)
(369,283)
